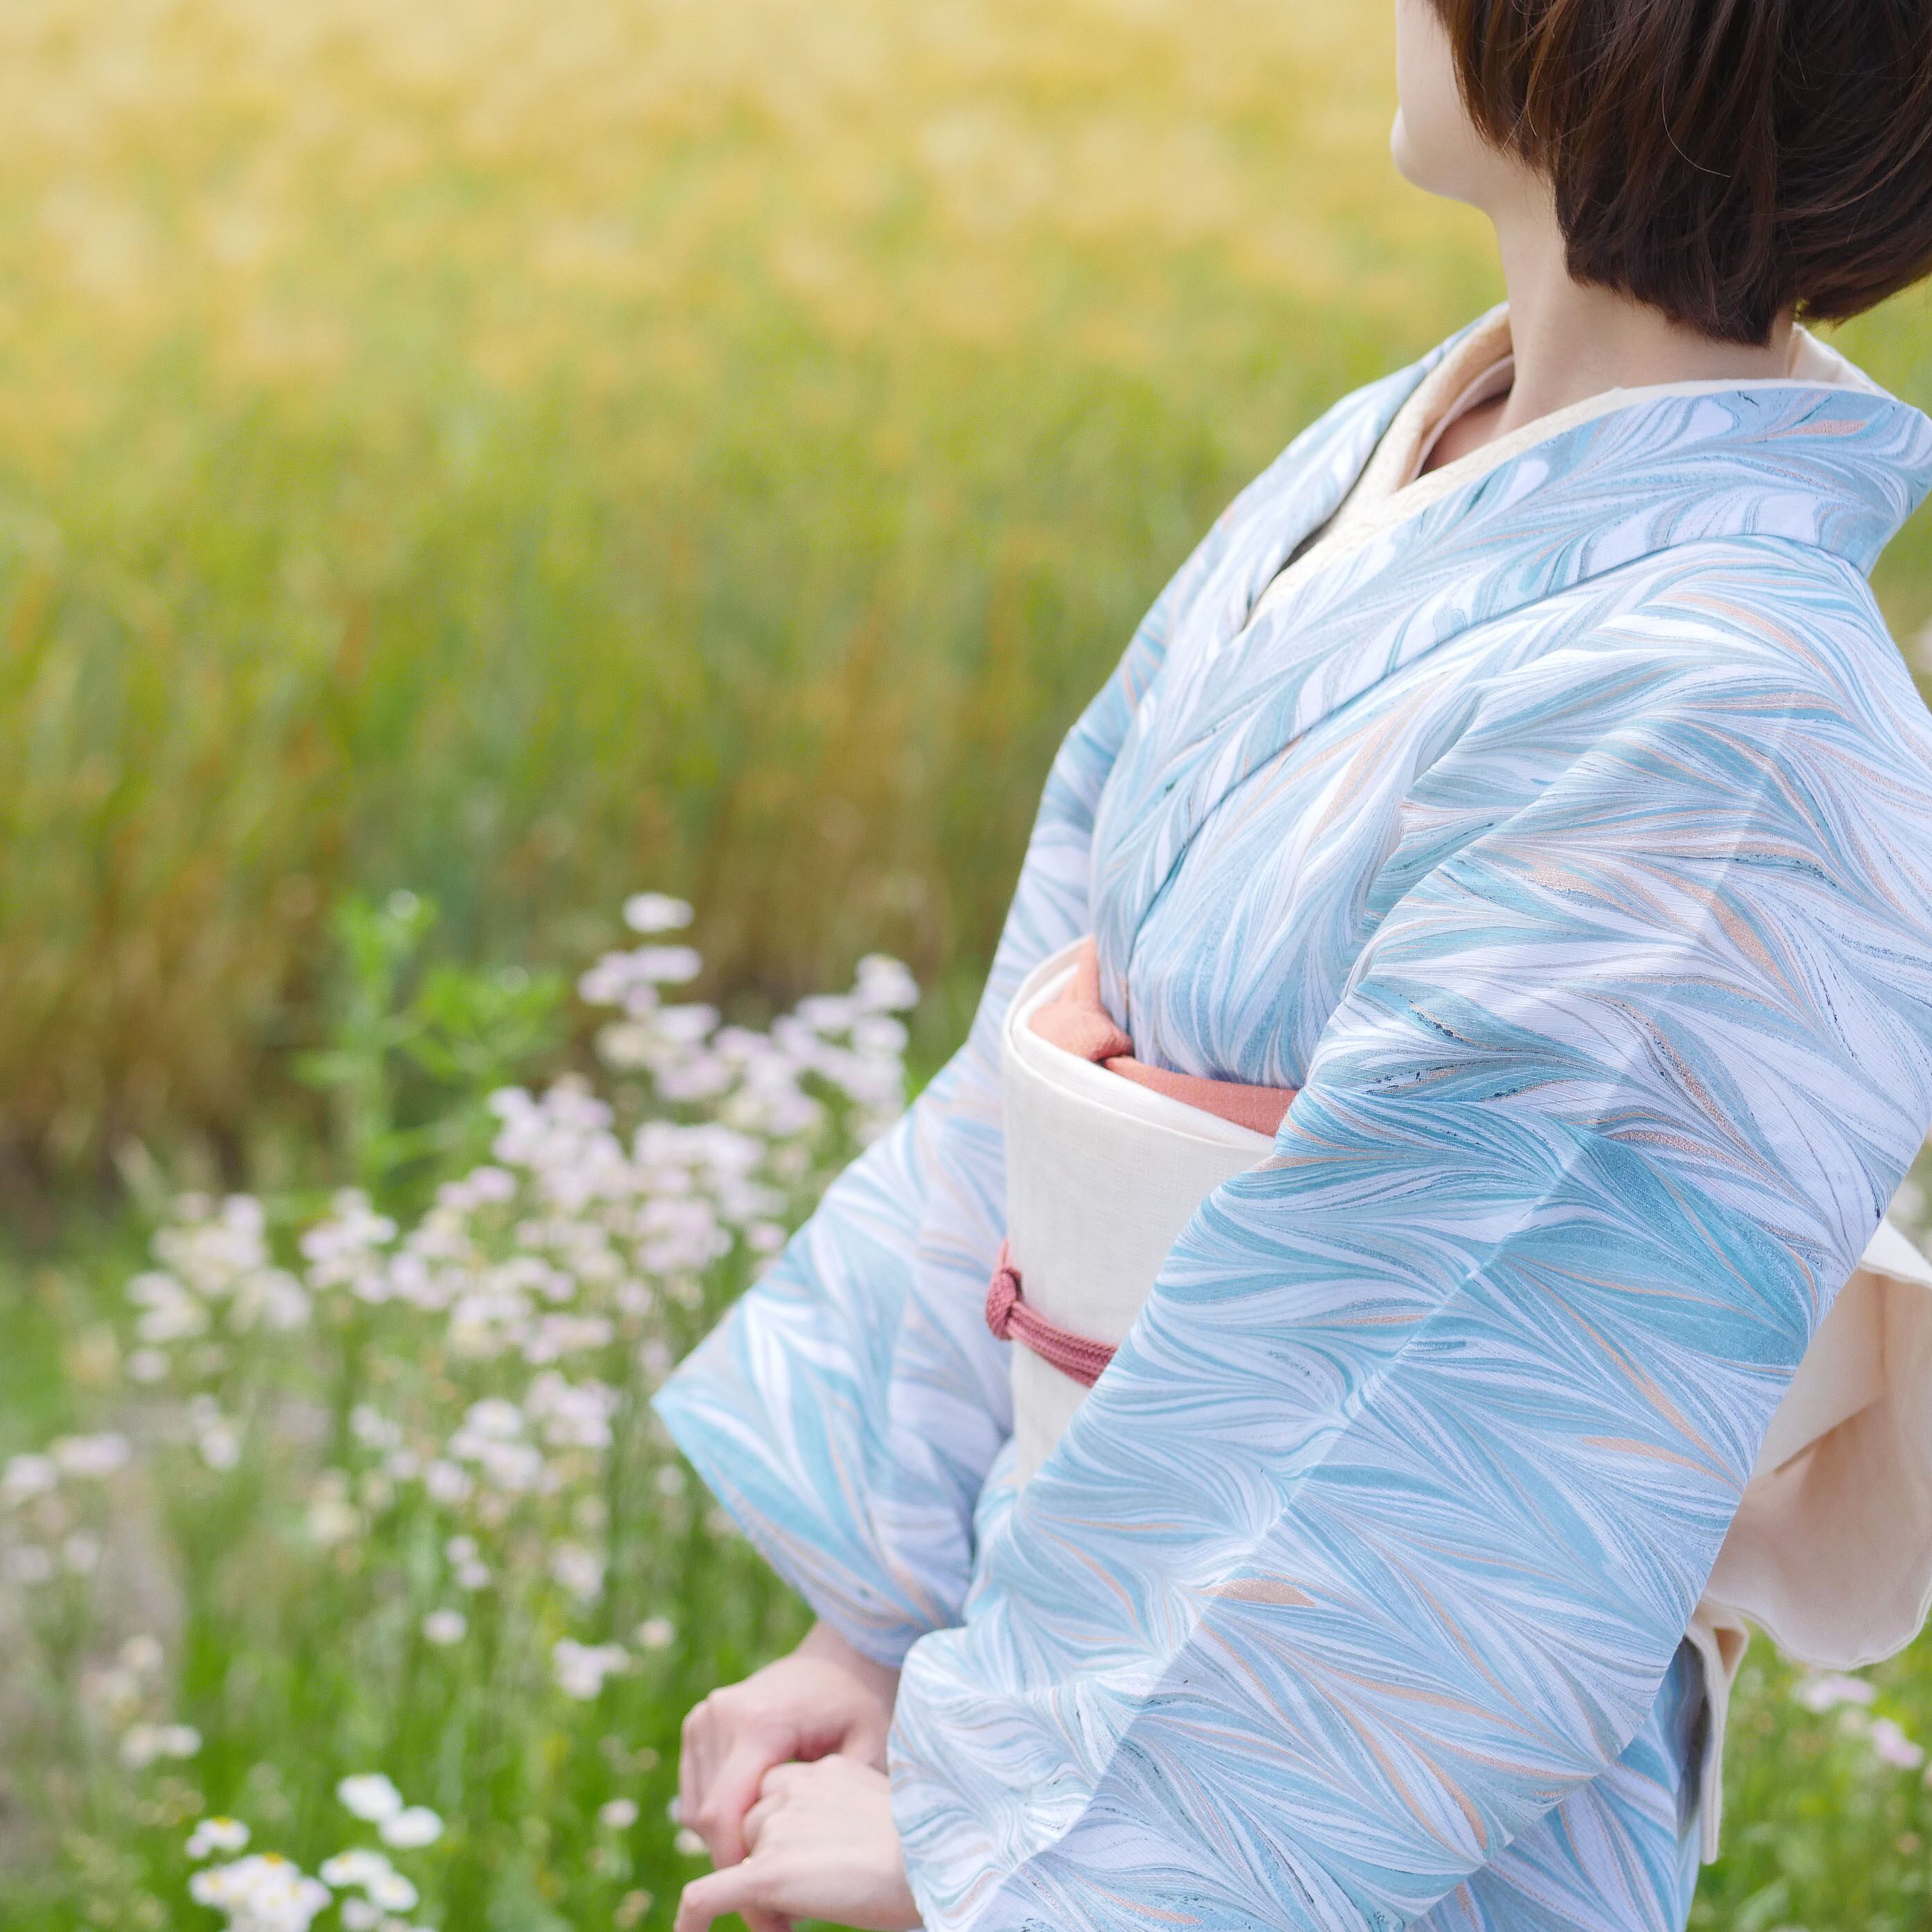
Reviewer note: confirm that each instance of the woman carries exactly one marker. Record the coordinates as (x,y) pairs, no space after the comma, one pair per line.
(1521,775)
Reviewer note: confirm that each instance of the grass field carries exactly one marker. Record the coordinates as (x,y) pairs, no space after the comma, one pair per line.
(506,451)
(515,454)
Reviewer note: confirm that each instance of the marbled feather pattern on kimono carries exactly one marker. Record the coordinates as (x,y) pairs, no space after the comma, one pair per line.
(1566,843)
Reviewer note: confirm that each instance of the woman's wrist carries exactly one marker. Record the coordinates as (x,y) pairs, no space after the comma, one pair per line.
(825,1645)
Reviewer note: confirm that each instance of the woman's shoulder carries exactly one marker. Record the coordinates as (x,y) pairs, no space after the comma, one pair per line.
(1768,608)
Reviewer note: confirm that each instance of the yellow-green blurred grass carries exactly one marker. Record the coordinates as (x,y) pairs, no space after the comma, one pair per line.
(525,452)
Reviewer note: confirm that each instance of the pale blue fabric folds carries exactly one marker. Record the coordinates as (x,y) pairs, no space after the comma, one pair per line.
(1568,845)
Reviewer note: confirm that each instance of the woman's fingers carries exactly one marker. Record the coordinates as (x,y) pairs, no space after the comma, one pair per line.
(734,1889)
(693,1761)
(756,1820)
(824,1698)
(730,1793)
(824,1845)
(778,1779)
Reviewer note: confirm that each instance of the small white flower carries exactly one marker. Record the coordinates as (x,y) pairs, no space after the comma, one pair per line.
(886,985)
(359,1915)
(81,1553)
(170,1312)
(578,1570)
(373,1428)
(496,1418)
(689,1844)
(656,912)
(1826,1694)
(27,1477)
(657,1633)
(667,965)
(359,1867)
(446,1482)
(408,1831)
(142,1655)
(445,1628)
(1891,1746)
(261,1893)
(392,1892)
(620,1815)
(140,1745)
(331,1520)
(369,1795)
(218,1834)
(581,1669)
(94,1455)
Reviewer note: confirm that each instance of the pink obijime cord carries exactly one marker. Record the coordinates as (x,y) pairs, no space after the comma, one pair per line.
(1077,1021)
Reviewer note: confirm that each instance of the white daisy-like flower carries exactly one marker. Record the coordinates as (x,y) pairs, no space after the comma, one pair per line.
(445,1628)
(581,1668)
(94,1455)
(667,965)
(886,985)
(657,1633)
(26,1477)
(370,1795)
(360,1866)
(1828,1693)
(217,1834)
(261,1893)
(410,1830)
(392,1892)
(142,1655)
(1890,1745)
(618,1815)
(140,1745)
(656,912)
(143,1744)
(577,1570)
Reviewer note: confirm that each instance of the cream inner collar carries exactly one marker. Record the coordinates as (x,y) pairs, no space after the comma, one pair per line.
(1392,488)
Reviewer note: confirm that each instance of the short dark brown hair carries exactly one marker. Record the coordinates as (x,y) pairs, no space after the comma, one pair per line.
(1722,160)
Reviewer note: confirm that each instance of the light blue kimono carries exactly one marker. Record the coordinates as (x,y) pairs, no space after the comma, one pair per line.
(1569,846)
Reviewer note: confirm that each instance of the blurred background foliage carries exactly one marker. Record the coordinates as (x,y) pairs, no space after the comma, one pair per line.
(517,453)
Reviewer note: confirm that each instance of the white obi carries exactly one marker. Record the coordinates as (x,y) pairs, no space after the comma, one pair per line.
(1831,1551)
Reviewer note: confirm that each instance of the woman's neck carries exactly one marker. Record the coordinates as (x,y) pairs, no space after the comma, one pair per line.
(1572,341)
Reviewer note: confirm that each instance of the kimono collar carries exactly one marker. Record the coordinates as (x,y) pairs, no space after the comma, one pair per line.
(1836,465)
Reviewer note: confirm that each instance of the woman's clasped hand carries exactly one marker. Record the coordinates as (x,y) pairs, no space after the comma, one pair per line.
(783,1776)
(819,1843)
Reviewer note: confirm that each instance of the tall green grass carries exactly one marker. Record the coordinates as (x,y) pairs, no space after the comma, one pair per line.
(513,452)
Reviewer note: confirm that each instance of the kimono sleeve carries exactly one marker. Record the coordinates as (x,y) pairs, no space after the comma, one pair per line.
(848,1410)
(1379,1535)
